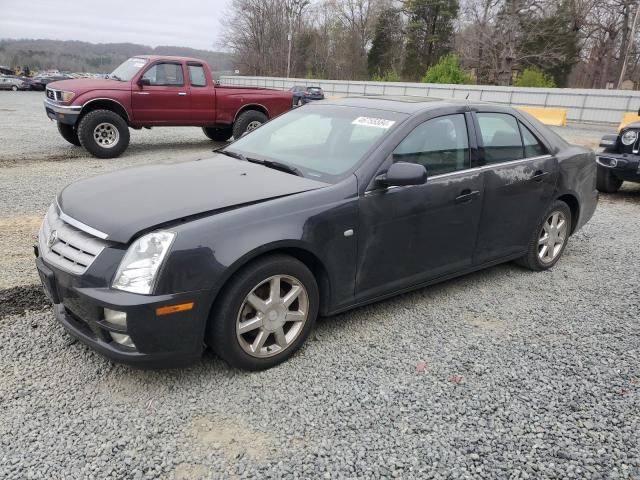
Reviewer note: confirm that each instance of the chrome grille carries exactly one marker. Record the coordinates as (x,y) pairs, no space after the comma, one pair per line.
(55,95)
(66,247)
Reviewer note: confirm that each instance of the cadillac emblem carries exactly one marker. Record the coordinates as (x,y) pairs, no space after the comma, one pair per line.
(53,238)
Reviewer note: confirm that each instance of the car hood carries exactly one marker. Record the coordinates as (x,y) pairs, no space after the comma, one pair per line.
(126,202)
(81,85)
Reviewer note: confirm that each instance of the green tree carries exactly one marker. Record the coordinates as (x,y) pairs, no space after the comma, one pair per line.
(447,70)
(385,54)
(551,43)
(389,76)
(534,77)
(429,33)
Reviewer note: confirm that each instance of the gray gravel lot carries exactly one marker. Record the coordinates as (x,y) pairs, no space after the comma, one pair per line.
(501,374)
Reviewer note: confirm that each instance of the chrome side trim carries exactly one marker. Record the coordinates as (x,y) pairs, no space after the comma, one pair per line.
(107,99)
(468,170)
(244,108)
(83,226)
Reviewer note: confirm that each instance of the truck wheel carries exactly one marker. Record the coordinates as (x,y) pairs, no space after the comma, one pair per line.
(218,134)
(607,182)
(69,134)
(103,133)
(265,313)
(248,121)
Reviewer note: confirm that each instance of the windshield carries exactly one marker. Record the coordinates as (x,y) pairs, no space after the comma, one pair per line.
(128,69)
(324,142)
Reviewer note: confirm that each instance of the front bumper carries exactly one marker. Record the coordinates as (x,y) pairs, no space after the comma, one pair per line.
(62,113)
(172,340)
(624,166)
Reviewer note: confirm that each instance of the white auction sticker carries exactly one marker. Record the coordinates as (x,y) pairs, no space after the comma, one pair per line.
(373,122)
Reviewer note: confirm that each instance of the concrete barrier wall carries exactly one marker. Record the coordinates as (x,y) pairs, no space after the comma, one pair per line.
(582,105)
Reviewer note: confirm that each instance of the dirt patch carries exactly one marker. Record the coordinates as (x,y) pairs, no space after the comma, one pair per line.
(232,437)
(484,323)
(17,300)
(191,471)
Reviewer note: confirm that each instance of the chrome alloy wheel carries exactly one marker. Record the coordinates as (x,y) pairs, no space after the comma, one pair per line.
(106,135)
(552,237)
(253,125)
(272,316)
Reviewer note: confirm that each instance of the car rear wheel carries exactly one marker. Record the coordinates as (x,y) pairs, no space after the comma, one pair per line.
(550,238)
(218,134)
(265,314)
(103,133)
(14,88)
(606,181)
(69,133)
(248,121)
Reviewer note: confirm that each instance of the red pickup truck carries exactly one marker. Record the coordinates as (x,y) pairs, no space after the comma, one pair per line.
(152,91)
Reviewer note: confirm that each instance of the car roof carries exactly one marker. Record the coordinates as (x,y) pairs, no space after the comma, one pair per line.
(408,104)
(169,57)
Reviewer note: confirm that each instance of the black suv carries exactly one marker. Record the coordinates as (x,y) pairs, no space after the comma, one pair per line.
(619,160)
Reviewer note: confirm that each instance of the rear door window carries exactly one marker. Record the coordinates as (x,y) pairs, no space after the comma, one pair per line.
(500,137)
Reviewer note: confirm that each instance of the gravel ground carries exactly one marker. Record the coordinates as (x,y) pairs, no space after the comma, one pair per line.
(500,374)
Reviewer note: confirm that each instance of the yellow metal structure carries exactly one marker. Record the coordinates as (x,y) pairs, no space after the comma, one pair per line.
(549,116)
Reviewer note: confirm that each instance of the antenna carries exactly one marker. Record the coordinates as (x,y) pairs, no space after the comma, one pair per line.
(467,97)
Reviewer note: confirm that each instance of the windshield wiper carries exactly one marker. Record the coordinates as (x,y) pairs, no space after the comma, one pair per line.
(230,153)
(283,167)
(115,77)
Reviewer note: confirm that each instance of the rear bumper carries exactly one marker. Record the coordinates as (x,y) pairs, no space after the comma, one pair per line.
(62,113)
(624,166)
(165,341)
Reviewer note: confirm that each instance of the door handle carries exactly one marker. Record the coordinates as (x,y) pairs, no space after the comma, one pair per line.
(467,195)
(182,94)
(539,175)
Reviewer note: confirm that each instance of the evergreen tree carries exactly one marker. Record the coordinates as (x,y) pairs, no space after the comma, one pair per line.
(385,55)
(429,34)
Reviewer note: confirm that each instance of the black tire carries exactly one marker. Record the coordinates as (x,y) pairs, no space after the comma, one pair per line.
(14,88)
(607,182)
(69,134)
(93,119)
(221,333)
(247,119)
(218,134)
(532,260)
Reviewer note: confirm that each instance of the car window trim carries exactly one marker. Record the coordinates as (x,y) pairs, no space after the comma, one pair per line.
(196,64)
(460,172)
(521,125)
(162,62)
(481,146)
(467,127)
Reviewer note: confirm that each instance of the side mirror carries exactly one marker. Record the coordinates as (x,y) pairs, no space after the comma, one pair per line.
(144,82)
(403,173)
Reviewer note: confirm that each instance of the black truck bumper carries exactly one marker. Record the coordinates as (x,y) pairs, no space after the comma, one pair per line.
(624,166)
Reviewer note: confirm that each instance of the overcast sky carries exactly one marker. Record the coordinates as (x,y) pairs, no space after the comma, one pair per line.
(184,23)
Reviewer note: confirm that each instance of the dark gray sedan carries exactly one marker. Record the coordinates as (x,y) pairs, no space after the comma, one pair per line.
(325,208)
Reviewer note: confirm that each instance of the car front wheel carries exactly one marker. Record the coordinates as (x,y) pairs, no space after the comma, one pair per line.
(265,314)
(218,134)
(550,238)
(69,133)
(104,133)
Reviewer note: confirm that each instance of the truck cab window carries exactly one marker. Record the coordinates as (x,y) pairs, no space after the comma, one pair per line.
(197,76)
(165,74)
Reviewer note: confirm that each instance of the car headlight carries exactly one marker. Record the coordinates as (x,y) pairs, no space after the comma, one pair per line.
(629,137)
(67,96)
(139,268)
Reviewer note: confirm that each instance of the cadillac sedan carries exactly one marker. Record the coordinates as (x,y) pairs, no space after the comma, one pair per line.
(323,209)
